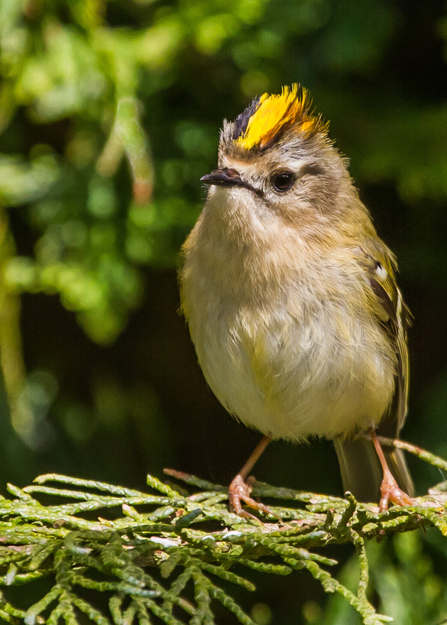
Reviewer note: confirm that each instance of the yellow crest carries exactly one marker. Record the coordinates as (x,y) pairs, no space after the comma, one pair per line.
(277,113)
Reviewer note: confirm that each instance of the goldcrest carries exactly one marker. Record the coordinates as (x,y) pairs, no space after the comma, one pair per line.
(291,298)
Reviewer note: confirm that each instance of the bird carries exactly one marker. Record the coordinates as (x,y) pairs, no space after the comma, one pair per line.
(291,299)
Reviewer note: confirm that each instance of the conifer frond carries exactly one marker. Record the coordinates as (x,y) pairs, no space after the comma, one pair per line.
(168,559)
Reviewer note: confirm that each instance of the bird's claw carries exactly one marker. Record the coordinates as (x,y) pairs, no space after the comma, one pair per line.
(391,492)
(240,490)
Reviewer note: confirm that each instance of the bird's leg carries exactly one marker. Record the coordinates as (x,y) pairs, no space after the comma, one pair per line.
(389,489)
(240,487)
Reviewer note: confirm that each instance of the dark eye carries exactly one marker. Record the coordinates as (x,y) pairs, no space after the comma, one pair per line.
(283,181)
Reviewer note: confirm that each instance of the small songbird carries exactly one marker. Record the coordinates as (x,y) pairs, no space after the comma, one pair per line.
(291,299)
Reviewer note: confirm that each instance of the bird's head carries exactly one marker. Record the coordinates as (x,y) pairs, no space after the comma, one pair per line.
(277,157)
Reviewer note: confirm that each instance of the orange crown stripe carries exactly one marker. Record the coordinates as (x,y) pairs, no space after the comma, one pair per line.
(276,113)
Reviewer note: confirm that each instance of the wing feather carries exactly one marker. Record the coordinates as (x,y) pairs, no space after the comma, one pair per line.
(359,464)
(394,317)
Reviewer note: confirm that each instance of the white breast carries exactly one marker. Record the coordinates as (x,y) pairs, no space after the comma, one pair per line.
(284,354)
(292,379)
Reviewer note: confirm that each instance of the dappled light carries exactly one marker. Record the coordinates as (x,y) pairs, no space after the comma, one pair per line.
(110,112)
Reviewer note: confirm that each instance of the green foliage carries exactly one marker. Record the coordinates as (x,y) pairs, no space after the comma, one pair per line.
(85,84)
(177,560)
(409,588)
(109,115)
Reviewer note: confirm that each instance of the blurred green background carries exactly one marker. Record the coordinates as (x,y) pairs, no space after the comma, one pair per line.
(109,114)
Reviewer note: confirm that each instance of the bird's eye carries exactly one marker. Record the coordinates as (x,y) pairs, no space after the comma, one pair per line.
(283,180)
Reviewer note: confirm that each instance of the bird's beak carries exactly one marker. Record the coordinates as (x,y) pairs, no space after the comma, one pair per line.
(227,177)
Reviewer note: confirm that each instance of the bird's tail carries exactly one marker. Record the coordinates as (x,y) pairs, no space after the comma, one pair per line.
(362,473)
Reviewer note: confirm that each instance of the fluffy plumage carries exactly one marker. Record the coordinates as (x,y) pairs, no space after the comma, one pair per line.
(289,294)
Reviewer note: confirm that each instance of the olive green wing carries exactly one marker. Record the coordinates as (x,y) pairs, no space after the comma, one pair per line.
(360,467)
(394,317)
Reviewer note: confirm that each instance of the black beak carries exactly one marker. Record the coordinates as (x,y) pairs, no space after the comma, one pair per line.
(227,178)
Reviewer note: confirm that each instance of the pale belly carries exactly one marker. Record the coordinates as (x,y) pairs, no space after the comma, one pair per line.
(316,373)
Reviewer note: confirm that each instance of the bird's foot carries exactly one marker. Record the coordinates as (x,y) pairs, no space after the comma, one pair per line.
(239,491)
(391,492)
